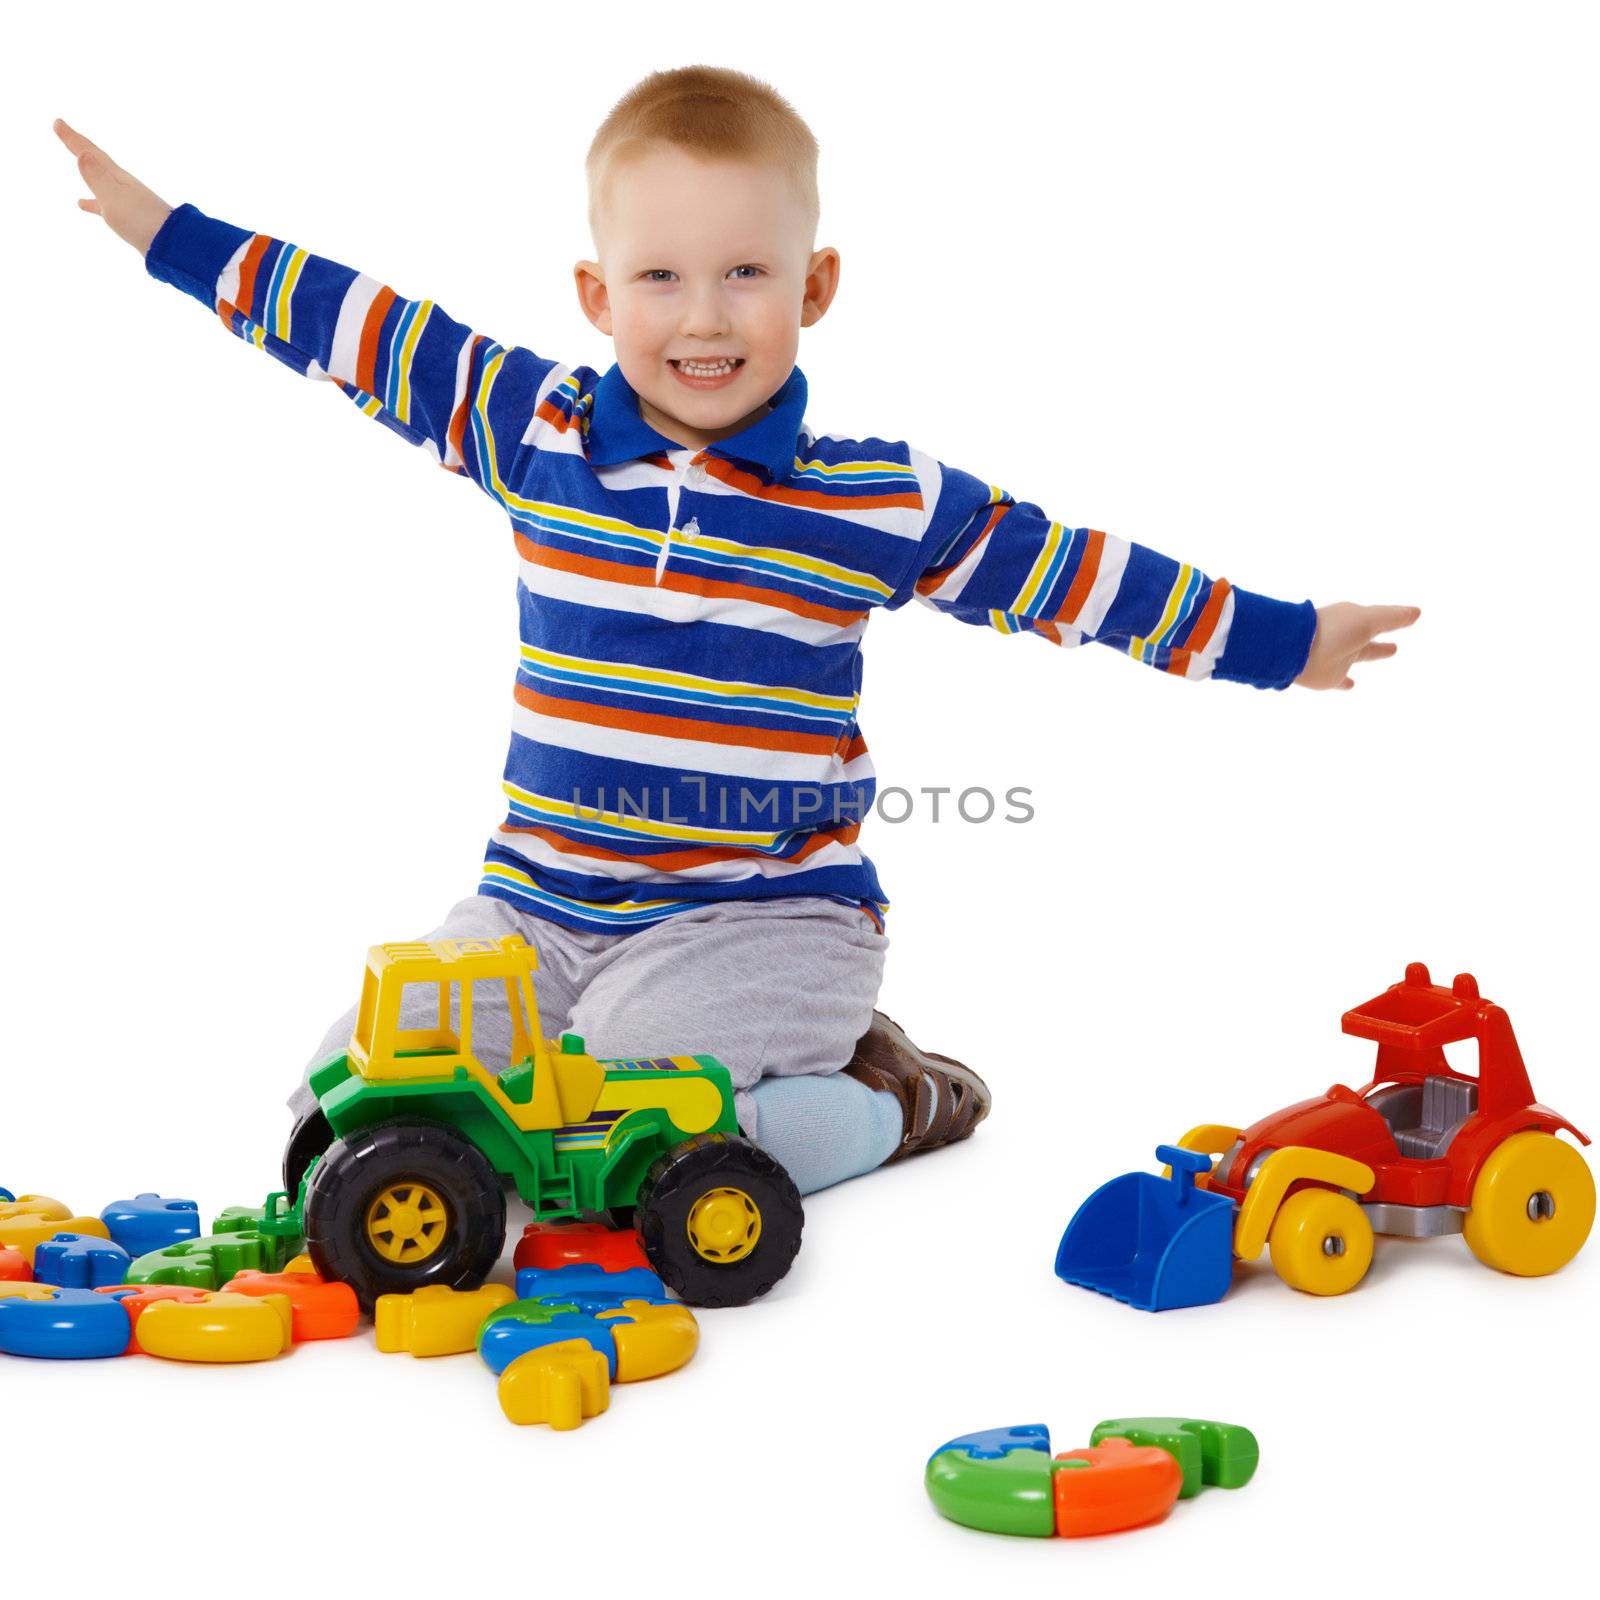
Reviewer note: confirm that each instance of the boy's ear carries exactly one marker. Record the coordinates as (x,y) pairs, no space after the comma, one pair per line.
(822,280)
(592,294)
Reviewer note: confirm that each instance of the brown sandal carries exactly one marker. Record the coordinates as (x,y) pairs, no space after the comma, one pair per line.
(941,1103)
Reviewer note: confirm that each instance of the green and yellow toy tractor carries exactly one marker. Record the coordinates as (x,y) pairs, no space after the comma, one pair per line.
(395,1179)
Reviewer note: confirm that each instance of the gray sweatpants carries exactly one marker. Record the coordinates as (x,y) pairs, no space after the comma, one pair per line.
(771,988)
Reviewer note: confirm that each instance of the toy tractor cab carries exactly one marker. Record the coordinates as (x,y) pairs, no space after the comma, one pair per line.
(1422,1150)
(397,1176)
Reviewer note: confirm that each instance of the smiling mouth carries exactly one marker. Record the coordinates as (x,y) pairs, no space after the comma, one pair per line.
(699,368)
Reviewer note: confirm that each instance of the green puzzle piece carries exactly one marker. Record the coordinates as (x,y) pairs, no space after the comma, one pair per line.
(538,1312)
(1005,1494)
(237,1219)
(210,1261)
(1220,1454)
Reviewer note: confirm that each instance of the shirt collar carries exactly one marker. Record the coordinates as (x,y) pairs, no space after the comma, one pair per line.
(618,433)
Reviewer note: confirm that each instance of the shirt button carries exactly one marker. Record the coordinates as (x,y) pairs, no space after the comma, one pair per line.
(696,473)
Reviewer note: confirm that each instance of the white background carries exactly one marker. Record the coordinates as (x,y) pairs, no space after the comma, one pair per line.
(1306,296)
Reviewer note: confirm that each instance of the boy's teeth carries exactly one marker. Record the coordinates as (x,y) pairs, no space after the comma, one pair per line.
(706,369)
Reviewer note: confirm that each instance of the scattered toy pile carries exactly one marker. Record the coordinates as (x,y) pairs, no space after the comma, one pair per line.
(586,1311)
(1003,1480)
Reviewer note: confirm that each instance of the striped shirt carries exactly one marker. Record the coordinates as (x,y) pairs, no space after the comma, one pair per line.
(684,718)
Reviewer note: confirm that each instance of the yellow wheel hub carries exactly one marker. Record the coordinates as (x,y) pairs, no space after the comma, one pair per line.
(407,1222)
(724,1225)
(1321,1242)
(1532,1205)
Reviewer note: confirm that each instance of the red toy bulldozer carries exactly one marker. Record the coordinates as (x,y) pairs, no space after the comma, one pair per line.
(1422,1150)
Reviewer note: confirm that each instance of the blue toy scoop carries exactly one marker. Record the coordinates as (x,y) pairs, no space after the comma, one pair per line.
(1152,1243)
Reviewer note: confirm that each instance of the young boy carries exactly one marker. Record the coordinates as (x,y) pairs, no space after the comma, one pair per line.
(686,775)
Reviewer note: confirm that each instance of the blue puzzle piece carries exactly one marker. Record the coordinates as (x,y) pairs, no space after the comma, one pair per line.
(989,1444)
(148,1222)
(80,1261)
(72,1325)
(6,1197)
(594,1302)
(526,1325)
(636,1283)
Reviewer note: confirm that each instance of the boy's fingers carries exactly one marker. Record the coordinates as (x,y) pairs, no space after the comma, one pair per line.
(1387,618)
(91,205)
(1375,652)
(93,162)
(73,140)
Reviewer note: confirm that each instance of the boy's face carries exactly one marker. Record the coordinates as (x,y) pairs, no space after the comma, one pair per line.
(701,260)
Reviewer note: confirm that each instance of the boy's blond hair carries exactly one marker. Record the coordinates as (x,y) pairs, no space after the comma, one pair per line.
(715,113)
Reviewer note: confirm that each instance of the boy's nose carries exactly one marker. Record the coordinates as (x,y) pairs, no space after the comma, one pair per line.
(704,316)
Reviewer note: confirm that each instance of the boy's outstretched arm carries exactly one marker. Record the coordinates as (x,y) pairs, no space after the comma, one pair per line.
(432,380)
(988,559)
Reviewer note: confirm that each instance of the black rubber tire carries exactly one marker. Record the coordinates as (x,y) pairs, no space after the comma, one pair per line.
(350,1176)
(308,1139)
(682,1176)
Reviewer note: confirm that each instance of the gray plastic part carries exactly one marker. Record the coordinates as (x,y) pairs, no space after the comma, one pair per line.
(1414,1222)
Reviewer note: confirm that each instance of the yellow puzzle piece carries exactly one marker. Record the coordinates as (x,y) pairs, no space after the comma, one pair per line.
(30,1219)
(220,1327)
(659,1339)
(26,1291)
(436,1321)
(559,1383)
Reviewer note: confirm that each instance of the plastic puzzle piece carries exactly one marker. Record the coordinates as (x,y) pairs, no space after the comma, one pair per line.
(322,1310)
(539,1283)
(562,1384)
(29,1291)
(526,1325)
(1153,1243)
(44,1320)
(34,1205)
(988,1443)
(436,1321)
(216,1328)
(6,1197)
(1212,1454)
(552,1245)
(238,1219)
(136,1298)
(32,1218)
(14,1267)
(148,1222)
(651,1338)
(1113,1486)
(596,1301)
(79,1261)
(211,1260)
(998,1480)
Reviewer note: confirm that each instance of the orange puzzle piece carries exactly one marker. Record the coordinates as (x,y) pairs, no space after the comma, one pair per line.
(1119,1485)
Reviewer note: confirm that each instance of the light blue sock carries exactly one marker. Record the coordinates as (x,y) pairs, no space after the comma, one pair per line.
(826,1127)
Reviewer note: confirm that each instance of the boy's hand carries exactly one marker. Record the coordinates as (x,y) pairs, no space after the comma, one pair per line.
(1345,635)
(131,211)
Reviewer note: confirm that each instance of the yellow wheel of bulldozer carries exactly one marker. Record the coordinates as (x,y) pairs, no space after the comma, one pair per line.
(1532,1206)
(1321,1242)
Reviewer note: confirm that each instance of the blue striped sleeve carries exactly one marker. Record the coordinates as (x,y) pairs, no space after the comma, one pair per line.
(989,559)
(403,362)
